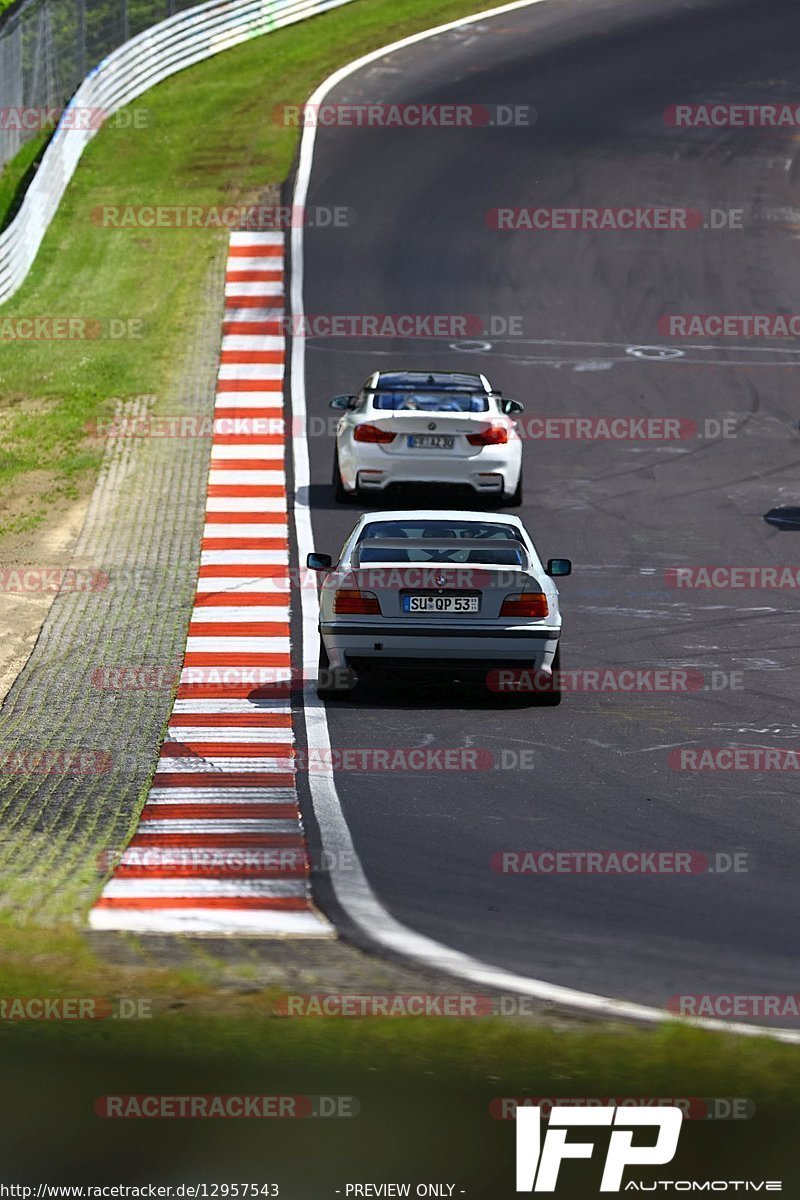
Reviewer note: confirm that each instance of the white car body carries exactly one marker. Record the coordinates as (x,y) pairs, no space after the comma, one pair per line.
(452,556)
(428,437)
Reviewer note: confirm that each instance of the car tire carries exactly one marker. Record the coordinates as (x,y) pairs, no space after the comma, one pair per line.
(340,495)
(327,688)
(552,698)
(514,499)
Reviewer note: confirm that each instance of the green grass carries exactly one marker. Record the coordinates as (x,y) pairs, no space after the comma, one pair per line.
(209,140)
(671,1059)
(424,1086)
(37,961)
(16,174)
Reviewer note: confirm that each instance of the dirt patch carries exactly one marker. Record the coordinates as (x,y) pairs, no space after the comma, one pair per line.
(29,563)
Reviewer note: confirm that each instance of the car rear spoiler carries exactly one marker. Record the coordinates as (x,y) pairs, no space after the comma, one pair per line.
(486,552)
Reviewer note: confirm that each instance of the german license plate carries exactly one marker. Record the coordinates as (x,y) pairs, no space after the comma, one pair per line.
(441,604)
(430,441)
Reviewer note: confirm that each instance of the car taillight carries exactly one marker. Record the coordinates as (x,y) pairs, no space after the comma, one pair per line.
(372,433)
(351,601)
(525,604)
(495,435)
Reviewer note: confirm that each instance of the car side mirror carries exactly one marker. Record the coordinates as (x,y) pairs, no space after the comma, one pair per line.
(558,566)
(342,402)
(319,562)
(511,406)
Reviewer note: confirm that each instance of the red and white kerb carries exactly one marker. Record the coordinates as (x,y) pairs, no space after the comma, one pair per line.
(219,847)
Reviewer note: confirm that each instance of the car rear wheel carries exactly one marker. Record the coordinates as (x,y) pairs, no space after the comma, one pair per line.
(552,697)
(339,494)
(514,499)
(333,685)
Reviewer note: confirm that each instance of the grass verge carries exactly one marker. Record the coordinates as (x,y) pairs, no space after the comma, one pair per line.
(423,1088)
(203,137)
(16,174)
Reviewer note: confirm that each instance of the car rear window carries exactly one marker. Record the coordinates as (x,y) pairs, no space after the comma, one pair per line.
(440,529)
(492,553)
(459,381)
(430,402)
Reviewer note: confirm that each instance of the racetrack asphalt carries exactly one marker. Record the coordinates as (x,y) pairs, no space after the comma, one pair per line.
(600,76)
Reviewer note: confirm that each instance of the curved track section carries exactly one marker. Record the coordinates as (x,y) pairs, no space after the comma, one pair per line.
(628,512)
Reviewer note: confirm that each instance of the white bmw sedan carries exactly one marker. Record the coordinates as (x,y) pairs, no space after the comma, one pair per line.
(430,428)
(459,593)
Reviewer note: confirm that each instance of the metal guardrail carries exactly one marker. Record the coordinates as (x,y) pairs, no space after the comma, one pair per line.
(153,55)
(47,47)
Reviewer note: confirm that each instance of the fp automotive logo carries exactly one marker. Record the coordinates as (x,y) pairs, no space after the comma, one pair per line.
(538,1165)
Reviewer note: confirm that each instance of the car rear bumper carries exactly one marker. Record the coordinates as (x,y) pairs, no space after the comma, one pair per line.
(425,648)
(489,472)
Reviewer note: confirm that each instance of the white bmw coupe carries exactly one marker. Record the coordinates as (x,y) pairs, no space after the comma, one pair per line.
(460,593)
(431,428)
